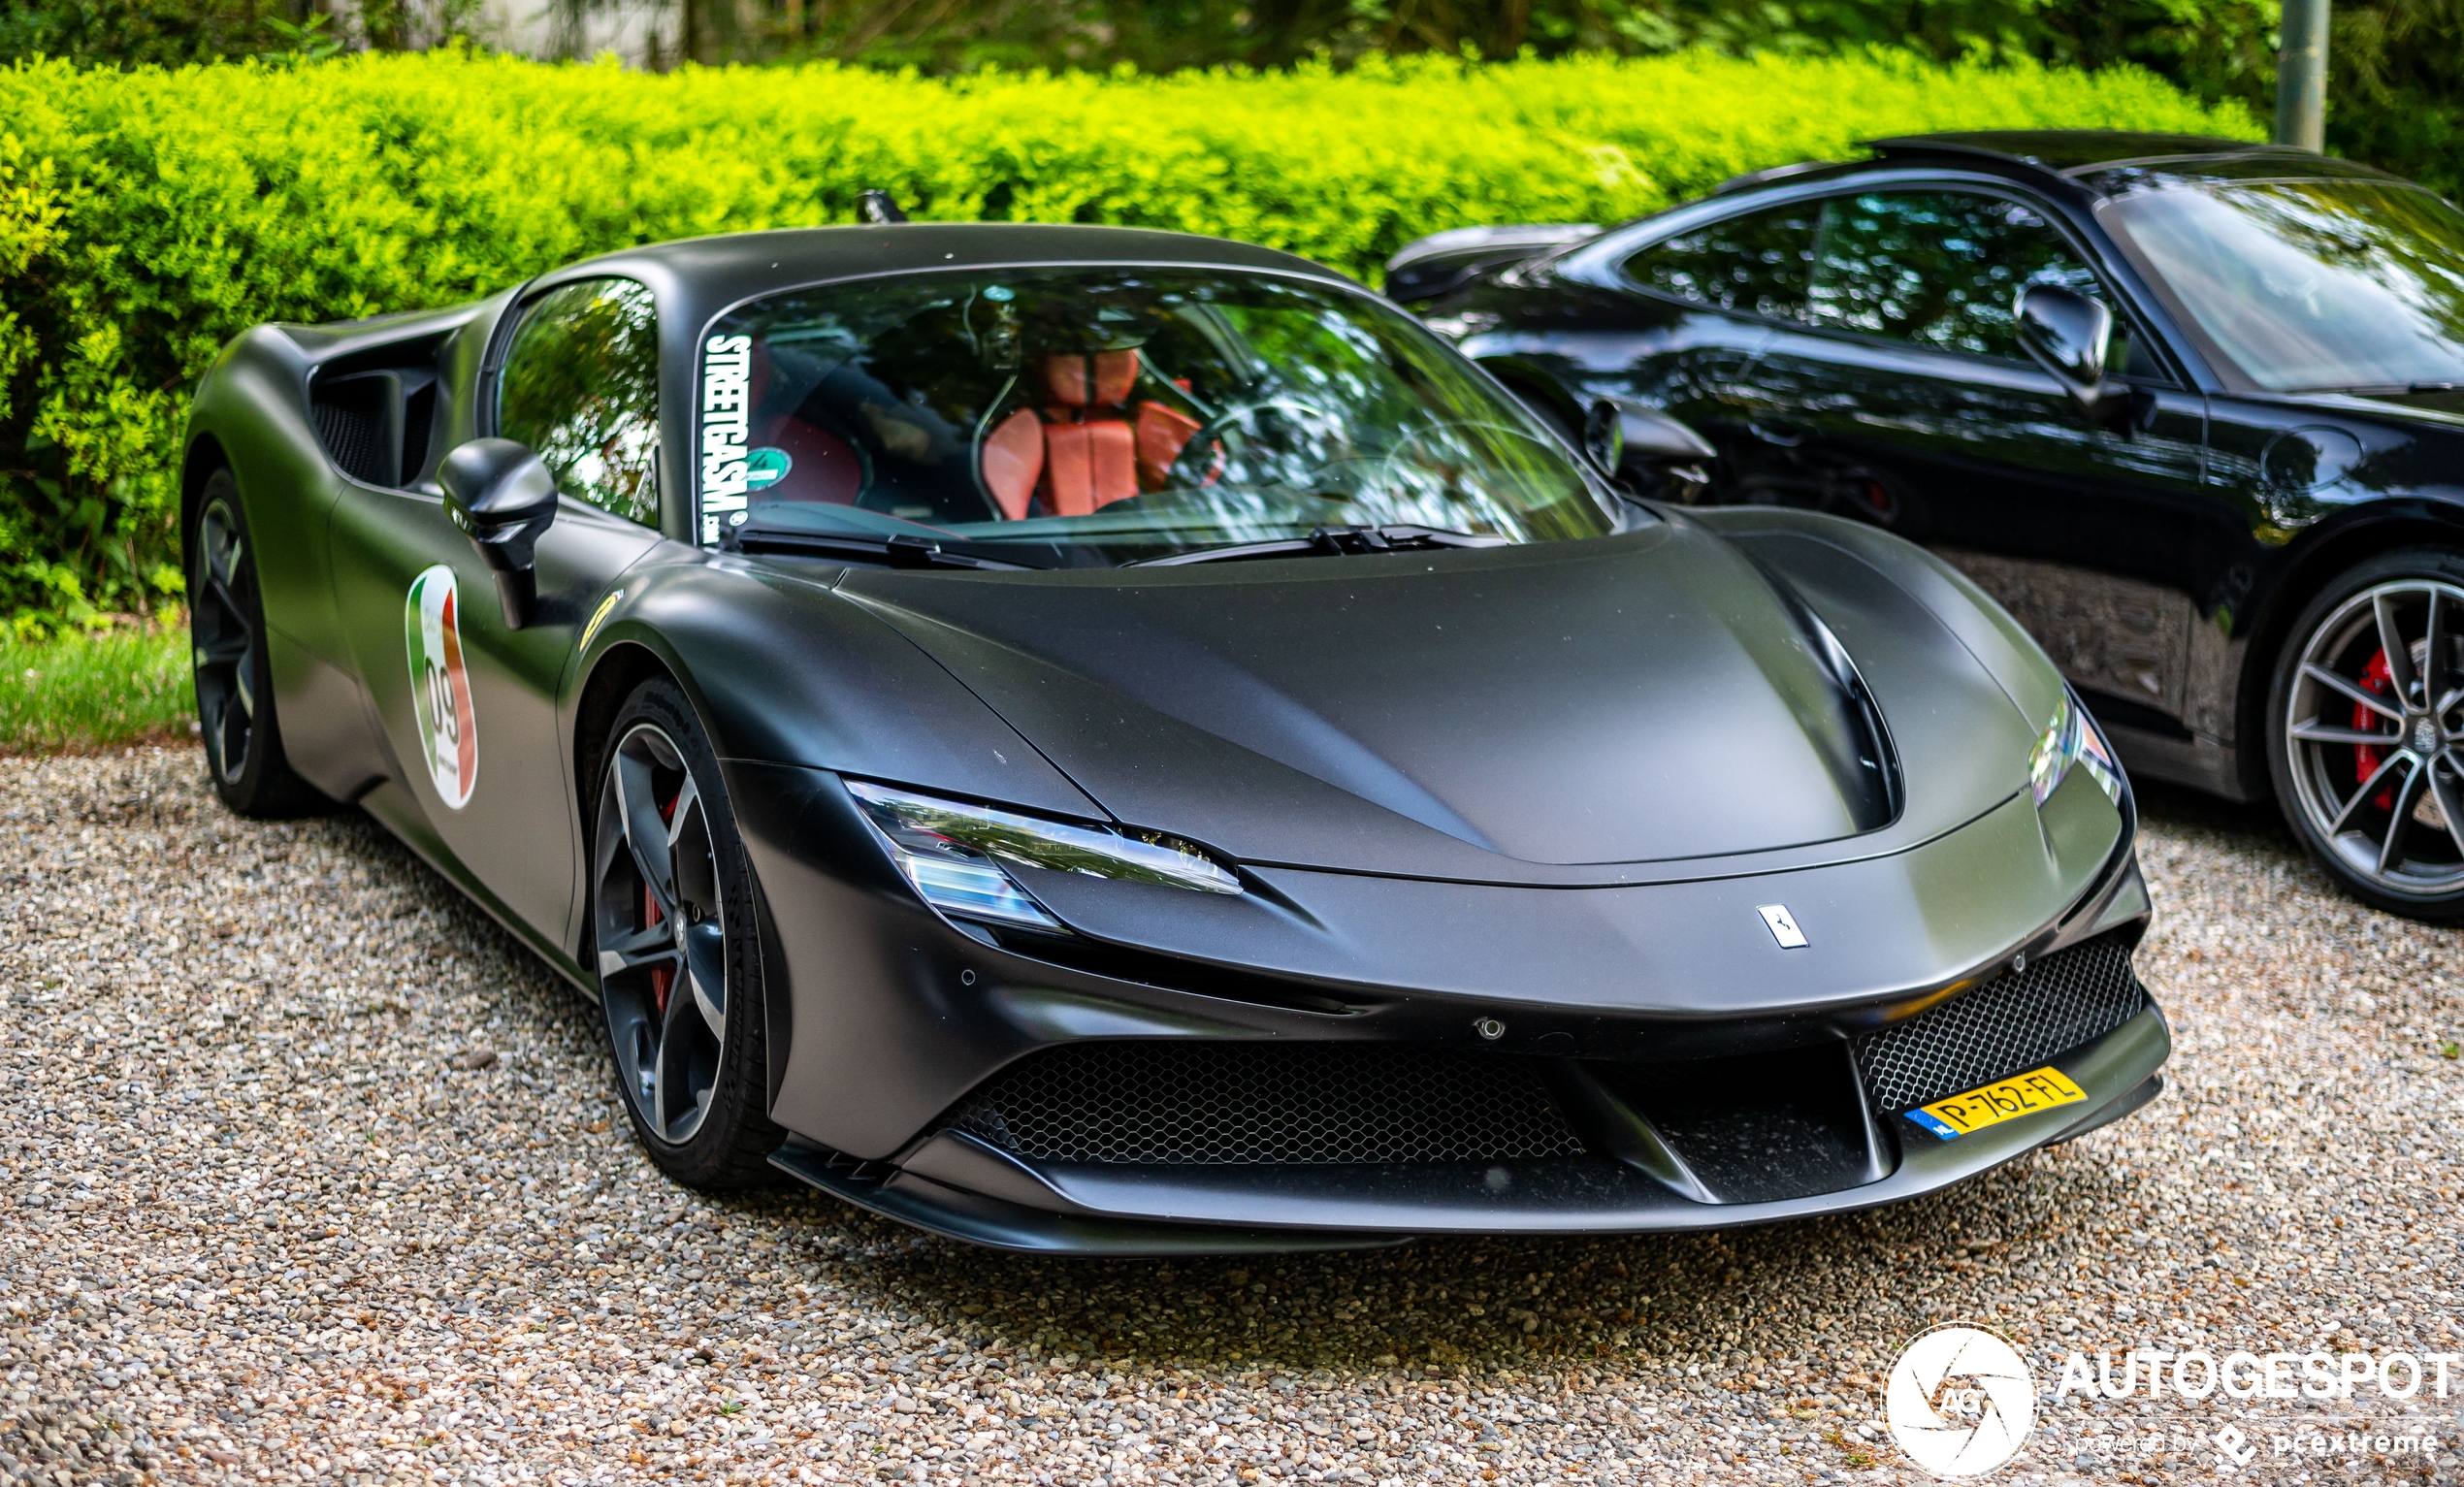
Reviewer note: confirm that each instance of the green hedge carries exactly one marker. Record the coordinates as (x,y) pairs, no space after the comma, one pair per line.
(146,217)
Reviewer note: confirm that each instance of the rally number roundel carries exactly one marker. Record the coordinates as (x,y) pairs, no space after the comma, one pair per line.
(440,686)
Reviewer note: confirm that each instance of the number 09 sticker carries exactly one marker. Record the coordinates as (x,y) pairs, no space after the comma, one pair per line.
(441,686)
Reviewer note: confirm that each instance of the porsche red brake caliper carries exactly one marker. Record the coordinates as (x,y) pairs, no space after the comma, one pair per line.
(2376,677)
(662,979)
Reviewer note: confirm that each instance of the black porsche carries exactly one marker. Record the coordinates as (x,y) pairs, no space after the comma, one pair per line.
(2191,409)
(1112,741)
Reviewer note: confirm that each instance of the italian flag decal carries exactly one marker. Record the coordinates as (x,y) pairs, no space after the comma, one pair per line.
(440,687)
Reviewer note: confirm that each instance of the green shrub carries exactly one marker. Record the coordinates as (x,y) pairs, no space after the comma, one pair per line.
(146,217)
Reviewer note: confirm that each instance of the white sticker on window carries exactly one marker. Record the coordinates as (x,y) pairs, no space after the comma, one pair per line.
(726,375)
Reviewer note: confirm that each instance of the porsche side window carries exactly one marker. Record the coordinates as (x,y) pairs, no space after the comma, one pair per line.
(580,386)
(1938,268)
(1757,263)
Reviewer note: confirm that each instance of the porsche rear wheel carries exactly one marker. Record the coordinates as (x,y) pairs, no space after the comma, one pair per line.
(2366,733)
(677,949)
(227,646)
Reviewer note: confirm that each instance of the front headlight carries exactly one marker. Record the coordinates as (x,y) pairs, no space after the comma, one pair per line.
(952,853)
(2071,738)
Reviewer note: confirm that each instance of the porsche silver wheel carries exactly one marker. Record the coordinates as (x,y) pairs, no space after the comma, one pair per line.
(662,935)
(222,635)
(2372,737)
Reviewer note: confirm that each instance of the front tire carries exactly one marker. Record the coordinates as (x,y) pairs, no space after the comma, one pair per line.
(234,679)
(677,947)
(2366,733)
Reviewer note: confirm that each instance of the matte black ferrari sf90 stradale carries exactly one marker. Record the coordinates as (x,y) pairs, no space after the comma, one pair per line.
(2192,408)
(1113,741)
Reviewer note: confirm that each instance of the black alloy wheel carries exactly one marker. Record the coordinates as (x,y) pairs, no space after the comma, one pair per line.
(227,646)
(676,948)
(2366,733)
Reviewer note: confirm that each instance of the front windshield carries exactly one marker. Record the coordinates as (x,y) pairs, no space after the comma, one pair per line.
(2309,285)
(1078,416)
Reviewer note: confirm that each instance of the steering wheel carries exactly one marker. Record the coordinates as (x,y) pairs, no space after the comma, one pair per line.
(1202,458)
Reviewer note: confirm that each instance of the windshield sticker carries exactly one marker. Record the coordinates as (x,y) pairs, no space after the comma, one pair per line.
(441,687)
(726,377)
(766,467)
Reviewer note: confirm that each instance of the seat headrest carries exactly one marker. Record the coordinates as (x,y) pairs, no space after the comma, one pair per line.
(1100,380)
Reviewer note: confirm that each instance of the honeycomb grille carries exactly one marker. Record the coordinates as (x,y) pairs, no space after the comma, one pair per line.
(2003,1027)
(1226,1103)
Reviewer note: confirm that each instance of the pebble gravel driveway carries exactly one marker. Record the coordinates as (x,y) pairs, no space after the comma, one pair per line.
(310,1175)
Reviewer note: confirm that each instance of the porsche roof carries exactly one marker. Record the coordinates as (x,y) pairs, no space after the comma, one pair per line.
(2088,154)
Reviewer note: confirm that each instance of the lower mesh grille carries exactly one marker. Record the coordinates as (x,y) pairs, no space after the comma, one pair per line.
(1220,1103)
(2003,1027)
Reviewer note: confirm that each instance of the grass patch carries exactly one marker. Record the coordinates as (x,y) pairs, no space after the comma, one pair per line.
(81,691)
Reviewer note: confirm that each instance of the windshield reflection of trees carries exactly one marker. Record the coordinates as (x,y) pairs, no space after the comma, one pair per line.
(2305,286)
(1296,409)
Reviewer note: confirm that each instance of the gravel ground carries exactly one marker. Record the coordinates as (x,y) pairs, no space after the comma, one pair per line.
(312,1175)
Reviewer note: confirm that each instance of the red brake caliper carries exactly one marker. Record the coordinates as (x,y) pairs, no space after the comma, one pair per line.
(2375,677)
(662,979)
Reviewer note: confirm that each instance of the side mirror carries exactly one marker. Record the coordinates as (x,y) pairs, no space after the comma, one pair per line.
(502,496)
(2065,333)
(1649,450)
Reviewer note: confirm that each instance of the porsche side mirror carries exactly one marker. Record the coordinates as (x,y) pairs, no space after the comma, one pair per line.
(502,496)
(1650,452)
(2065,333)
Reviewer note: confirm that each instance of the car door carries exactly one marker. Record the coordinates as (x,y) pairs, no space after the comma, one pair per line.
(1898,393)
(1675,324)
(467,705)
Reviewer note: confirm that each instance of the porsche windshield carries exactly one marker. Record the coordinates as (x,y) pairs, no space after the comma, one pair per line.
(2310,285)
(1075,416)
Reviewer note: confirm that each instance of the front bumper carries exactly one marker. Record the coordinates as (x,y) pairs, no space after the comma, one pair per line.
(899,1023)
(1224,1209)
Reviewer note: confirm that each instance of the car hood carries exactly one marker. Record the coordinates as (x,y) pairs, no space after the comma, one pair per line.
(1644,698)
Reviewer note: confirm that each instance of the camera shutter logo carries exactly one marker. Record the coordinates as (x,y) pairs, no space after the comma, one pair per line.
(1960,1400)
(441,686)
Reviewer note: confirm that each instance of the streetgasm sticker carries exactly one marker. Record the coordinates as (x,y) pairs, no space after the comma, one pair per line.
(441,686)
(727,381)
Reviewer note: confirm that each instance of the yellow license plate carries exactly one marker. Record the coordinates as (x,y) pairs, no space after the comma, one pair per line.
(2007,1099)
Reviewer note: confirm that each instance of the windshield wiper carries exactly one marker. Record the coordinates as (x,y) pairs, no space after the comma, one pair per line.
(1332,542)
(904,550)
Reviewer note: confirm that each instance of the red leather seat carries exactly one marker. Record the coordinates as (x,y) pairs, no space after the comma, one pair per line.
(1082,452)
(1013,462)
(1162,434)
(822,467)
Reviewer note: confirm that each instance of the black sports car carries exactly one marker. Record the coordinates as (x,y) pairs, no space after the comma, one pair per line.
(1115,741)
(2193,409)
